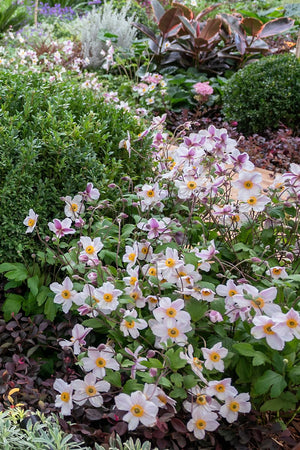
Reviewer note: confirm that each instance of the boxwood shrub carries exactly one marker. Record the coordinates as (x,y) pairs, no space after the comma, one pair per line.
(264,93)
(54,138)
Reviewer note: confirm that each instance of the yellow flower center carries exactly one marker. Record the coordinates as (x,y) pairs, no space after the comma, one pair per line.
(197,362)
(137,411)
(214,356)
(186,297)
(152,271)
(173,332)
(170,262)
(235,218)
(129,323)
(220,388)
(66,294)
(200,424)
(65,396)
(234,406)
(205,292)
(181,274)
(201,399)
(31,222)
(191,185)
(96,300)
(252,200)
(268,328)
(248,184)
(91,391)
(131,256)
(134,296)
(276,271)
(232,292)
(144,250)
(108,298)
(258,303)
(90,249)
(100,362)
(291,323)
(74,207)
(150,193)
(162,398)
(132,281)
(171,312)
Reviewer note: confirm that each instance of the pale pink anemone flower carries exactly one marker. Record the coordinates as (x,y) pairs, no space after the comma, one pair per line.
(79,334)
(168,311)
(248,185)
(264,328)
(89,390)
(277,272)
(288,325)
(138,408)
(133,276)
(91,193)
(200,400)
(61,228)
(74,206)
(174,330)
(202,421)
(229,289)
(91,248)
(130,325)
(137,360)
(221,389)
(64,398)
(131,254)
(156,395)
(261,302)
(214,357)
(233,405)
(65,295)
(99,359)
(30,221)
(107,297)
(254,203)
(195,363)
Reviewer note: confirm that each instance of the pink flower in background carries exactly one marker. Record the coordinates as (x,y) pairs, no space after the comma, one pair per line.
(203,88)
(61,228)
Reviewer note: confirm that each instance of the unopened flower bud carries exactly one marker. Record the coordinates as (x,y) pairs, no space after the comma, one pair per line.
(150,354)
(112,185)
(215,316)
(153,372)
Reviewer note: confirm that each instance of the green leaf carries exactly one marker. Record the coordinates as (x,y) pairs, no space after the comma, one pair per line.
(295,277)
(196,309)
(176,379)
(96,324)
(294,375)
(19,273)
(152,362)
(11,305)
(244,349)
(127,230)
(268,380)
(174,360)
(50,309)
(114,378)
(286,402)
(132,386)
(5,267)
(43,294)
(190,381)
(259,359)
(165,382)
(178,392)
(33,284)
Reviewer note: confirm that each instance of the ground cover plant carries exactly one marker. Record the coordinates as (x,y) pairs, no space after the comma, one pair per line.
(169,275)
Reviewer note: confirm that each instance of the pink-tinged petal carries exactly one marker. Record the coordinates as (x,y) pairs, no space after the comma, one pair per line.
(123,402)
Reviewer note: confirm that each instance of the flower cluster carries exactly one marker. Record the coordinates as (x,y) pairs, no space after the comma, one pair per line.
(172,298)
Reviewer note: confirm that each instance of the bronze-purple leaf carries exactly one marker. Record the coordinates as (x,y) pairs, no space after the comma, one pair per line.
(188,26)
(169,20)
(146,31)
(207,11)
(158,9)
(211,28)
(251,25)
(187,12)
(276,26)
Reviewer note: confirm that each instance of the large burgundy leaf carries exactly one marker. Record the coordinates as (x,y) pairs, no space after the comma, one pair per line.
(276,26)
(252,26)
(207,11)
(211,28)
(169,20)
(158,9)
(146,31)
(188,26)
(240,43)
(186,12)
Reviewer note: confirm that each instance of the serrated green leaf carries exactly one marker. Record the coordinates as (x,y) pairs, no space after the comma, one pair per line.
(190,381)
(196,309)
(114,378)
(12,304)
(294,375)
(176,379)
(174,360)
(244,349)
(132,386)
(127,230)
(50,309)
(178,392)
(152,362)
(42,295)
(33,284)
(270,380)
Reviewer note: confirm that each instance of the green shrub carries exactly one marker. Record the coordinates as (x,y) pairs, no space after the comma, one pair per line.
(264,93)
(54,138)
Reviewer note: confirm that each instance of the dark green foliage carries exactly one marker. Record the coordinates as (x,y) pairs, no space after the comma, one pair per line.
(12,15)
(264,93)
(54,138)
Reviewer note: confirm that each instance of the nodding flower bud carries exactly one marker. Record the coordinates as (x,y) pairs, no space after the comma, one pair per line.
(125,178)
(256,260)
(153,372)
(215,316)
(112,185)
(92,276)
(123,216)
(151,354)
